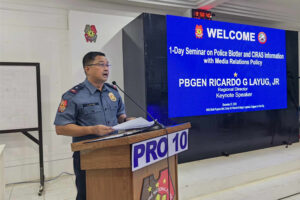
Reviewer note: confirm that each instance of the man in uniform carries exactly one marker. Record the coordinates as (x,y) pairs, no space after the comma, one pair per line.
(89,110)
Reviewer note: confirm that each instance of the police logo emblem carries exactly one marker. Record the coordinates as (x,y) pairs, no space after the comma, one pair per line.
(90,33)
(62,106)
(112,96)
(262,37)
(158,189)
(199,31)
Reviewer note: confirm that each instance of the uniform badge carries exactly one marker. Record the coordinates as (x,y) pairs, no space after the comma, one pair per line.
(62,106)
(112,96)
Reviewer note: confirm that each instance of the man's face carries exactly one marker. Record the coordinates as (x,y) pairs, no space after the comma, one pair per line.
(98,70)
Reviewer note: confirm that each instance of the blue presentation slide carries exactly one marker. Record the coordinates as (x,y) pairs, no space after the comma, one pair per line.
(218,67)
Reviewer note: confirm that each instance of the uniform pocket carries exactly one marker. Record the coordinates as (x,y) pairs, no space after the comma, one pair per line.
(114,107)
(91,109)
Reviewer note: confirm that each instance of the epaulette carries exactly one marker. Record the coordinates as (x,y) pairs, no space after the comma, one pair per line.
(76,88)
(111,86)
(73,91)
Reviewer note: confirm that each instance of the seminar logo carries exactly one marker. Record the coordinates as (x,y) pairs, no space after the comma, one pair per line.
(158,189)
(262,37)
(90,33)
(199,31)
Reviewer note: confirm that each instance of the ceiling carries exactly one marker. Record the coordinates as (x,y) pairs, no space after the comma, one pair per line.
(283,11)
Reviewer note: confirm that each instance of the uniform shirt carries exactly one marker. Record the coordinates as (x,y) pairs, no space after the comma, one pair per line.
(85,105)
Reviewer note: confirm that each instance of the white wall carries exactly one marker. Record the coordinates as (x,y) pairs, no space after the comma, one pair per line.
(107,26)
(36,34)
(2,184)
(37,31)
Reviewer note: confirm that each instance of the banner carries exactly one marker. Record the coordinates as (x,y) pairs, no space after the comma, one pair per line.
(218,67)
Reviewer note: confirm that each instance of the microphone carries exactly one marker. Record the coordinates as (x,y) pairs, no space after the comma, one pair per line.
(140,107)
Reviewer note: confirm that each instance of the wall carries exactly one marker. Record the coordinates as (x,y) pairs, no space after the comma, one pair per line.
(31,33)
(2,184)
(38,31)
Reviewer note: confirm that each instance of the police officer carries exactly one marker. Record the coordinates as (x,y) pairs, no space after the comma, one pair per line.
(89,110)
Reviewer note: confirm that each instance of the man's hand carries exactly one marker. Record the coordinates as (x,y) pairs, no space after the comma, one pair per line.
(130,118)
(77,131)
(102,130)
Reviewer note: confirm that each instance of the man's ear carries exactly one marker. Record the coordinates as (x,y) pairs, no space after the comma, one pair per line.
(86,69)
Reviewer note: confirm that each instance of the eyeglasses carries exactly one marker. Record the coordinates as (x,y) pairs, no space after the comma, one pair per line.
(99,65)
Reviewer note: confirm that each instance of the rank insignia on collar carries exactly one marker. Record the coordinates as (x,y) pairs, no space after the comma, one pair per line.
(112,96)
(62,106)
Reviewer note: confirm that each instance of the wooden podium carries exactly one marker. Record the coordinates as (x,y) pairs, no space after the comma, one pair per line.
(109,172)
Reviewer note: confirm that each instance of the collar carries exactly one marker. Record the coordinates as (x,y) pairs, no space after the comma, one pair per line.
(92,88)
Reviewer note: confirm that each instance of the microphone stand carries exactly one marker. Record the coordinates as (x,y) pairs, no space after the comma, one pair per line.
(156,123)
(155,120)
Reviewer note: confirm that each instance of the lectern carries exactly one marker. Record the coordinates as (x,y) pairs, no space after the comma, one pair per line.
(134,167)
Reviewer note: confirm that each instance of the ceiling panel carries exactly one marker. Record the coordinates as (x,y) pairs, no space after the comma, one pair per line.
(283,11)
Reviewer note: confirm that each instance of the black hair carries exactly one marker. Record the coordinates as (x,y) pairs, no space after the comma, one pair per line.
(90,57)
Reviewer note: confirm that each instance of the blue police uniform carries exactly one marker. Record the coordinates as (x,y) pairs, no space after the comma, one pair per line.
(85,105)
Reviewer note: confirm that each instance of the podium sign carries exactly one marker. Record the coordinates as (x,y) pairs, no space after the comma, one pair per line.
(153,150)
(108,164)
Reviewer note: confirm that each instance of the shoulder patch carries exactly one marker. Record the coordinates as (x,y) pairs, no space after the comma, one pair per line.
(63,105)
(111,86)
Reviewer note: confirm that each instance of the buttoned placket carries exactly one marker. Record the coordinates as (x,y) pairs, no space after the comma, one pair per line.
(103,107)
